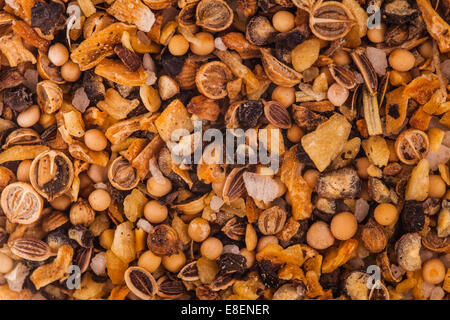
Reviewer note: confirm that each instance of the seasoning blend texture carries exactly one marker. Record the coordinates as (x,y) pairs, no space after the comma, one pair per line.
(101,166)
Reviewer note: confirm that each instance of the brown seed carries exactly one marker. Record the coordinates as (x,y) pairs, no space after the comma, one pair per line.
(234,185)
(211,79)
(31,249)
(343,75)
(189,272)
(366,69)
(222,282)
(278,72)
(234,229)
(21,137)
(272,220)
(140,282)
(170,288)
(277,115)
(83,257)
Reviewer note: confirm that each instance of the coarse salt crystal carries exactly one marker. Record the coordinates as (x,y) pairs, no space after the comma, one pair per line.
(98,264)
(361,209)
(231,248)
(261,187)
(16,277)
(144,225)
(378,60)
(218,43)
(216,203)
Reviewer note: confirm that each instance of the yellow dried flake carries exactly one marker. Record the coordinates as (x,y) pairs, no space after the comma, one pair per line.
(174,117)
(298,189)
(100,45)
(115,268)
(133,205)
(419,182)
(89,289)
(119,293)
(117,106)
(133,12)
(55,270)
(19,153)
(277,255)
(320,147)
(337,257)
(376,150)
(117,72)
(444,172)
(11,46)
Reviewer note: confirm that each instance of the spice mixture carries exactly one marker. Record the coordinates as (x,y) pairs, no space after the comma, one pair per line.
(96,203)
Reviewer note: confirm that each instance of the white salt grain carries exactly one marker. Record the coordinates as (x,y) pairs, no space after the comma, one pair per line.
(218,43)
(16,277)
(144,225)
(98,264)
(216,203)
(378,60)
(361,209)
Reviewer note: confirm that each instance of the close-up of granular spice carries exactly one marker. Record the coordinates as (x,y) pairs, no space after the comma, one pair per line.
(224,150)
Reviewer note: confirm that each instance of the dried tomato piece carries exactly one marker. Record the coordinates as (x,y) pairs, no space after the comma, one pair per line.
(45,16)
(17,98)
(269,274)
(230,263)
(249,113)
(413,216)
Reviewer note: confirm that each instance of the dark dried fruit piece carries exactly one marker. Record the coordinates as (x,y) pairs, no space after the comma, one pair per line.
(413,216)
(93,86)
(230,263)
(268,273)
(46,16)
(17,98)
(140,282)
(307,119)
(248,113)
(10,78)
(129,58)
(289,40)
